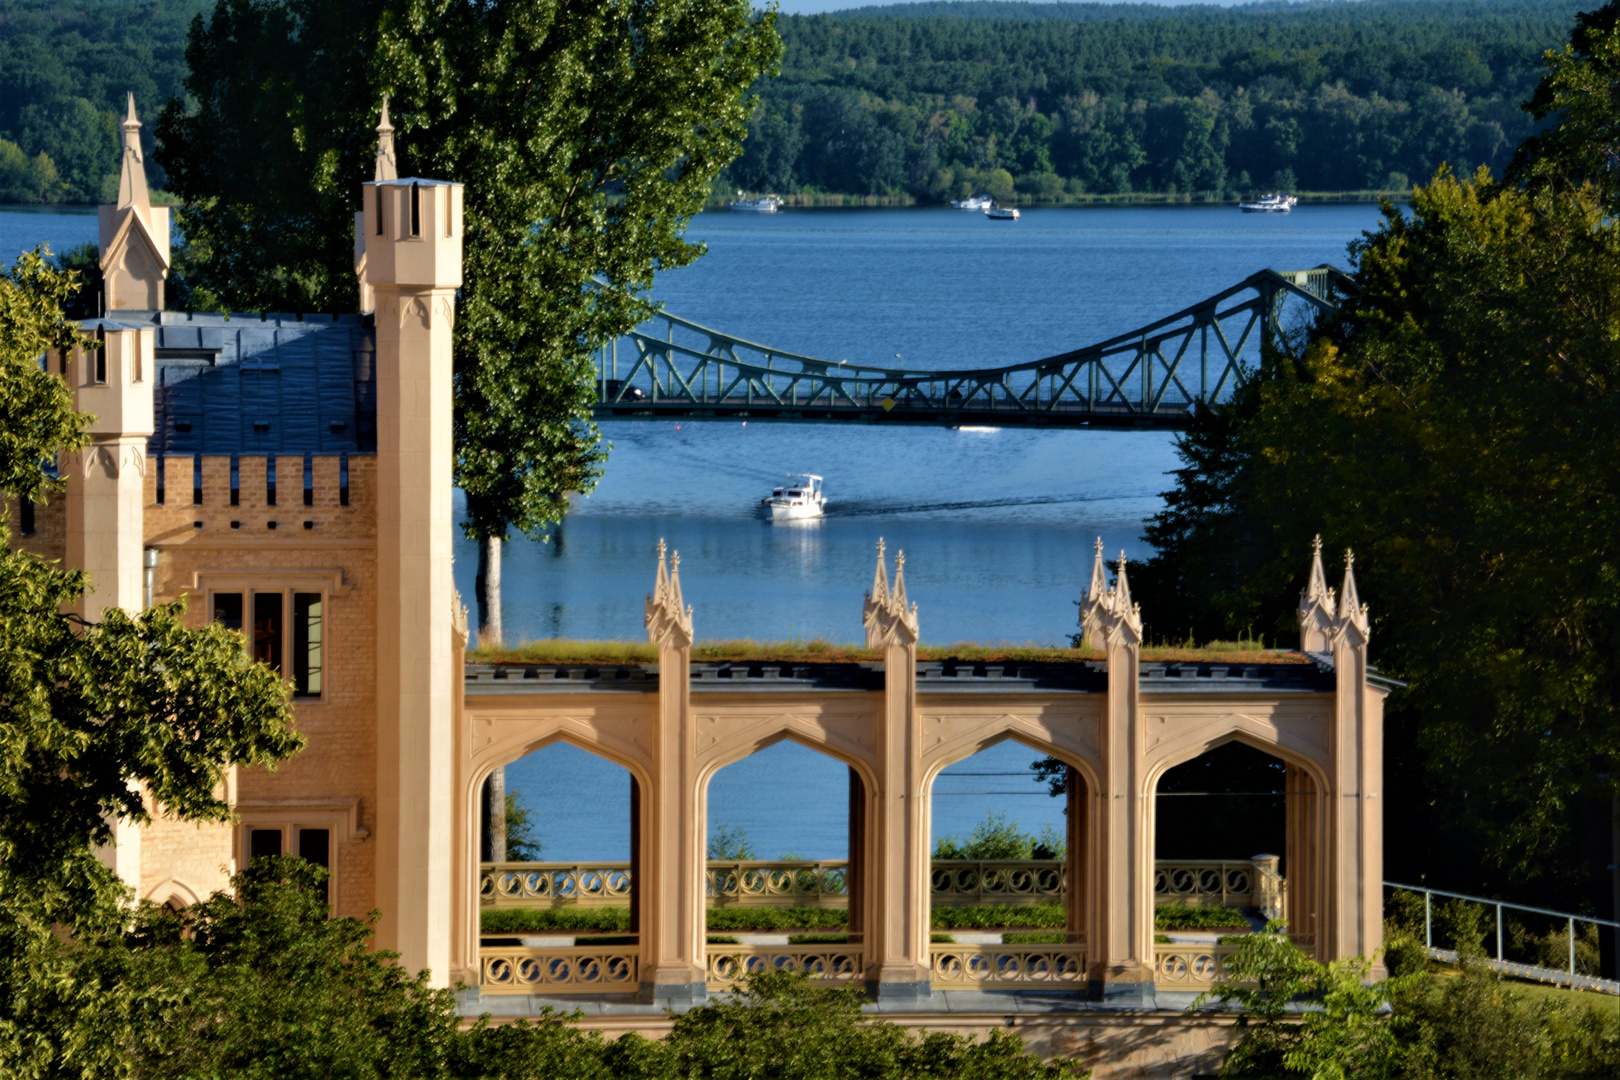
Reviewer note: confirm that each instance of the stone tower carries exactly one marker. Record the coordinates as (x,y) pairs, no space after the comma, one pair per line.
(134,234)
(413,262)
(112,381)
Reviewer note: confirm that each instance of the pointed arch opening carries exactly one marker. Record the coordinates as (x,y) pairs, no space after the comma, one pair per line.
(785,828)
(1009,869)
(1235,836)
(559,843)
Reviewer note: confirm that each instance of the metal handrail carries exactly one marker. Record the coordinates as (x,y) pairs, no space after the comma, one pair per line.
(1428,916)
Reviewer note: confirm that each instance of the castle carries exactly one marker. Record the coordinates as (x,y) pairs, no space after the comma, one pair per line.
(291,476)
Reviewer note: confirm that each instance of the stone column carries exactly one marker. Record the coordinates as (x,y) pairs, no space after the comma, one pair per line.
(898,966)
(1076,878)
(1353,923)
(854,875)
(1120,930)
(1303,856)
(105,497)
(414,264)
(671,852)
(494,831)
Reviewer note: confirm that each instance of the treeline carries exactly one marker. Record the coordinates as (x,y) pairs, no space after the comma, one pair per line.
(1049,100)
(66,67)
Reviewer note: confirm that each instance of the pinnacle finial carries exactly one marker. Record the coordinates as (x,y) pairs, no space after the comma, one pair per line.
(386,168)
(1316,545)
(132,171)
(1349,559)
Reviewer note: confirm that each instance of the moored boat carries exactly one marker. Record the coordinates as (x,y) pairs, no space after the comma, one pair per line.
(1002,213)
(765,204)
(974,202)
(799,498)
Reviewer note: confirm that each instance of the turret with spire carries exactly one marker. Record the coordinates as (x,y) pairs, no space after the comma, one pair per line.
(134,234)
(1107,611)
(384,169)
(886,614)
(1316,617)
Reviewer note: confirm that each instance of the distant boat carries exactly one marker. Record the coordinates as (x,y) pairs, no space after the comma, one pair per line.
(1002,213)
(974,202)
(765,204)
(799,498)
(1275,203)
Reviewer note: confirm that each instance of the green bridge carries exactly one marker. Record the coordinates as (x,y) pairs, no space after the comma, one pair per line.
(1153,376)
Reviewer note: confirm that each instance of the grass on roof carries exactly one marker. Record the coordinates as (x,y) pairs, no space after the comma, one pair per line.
(574,651)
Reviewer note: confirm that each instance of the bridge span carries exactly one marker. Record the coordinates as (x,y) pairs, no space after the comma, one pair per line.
(1153,376)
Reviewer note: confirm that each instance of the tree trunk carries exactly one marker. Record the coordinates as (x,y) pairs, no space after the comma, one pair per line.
(487,586)
(494,839)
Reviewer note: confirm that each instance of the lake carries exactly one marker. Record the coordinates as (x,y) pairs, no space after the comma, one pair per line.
(997,524)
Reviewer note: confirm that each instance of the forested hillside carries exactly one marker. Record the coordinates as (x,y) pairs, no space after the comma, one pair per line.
(936,99)
(65,68)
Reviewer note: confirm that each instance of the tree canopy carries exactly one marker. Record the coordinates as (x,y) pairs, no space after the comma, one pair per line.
(98,720)
(587,133)
(1456,424)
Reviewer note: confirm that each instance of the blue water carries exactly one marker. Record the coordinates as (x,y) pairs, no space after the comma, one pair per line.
(997,524)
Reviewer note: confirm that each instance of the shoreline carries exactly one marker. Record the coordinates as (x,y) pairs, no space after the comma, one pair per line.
(830,201)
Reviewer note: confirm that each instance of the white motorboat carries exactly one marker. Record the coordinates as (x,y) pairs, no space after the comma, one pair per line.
(1275,203)
(1002,213)
(765,204)
(974,202)
(800,497)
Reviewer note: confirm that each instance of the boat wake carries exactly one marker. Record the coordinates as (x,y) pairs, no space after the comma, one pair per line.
(844,510)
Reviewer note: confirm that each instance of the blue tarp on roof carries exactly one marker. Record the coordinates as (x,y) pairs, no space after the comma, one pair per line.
(251,384)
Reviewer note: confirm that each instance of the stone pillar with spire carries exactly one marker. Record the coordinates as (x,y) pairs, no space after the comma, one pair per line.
(1119,932)
(897,868)
(669,881)
(134,234)
(1354,922)
(414,263)
(1316,617)
(383,170)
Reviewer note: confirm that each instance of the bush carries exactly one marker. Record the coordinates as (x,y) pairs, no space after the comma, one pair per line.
(1177,917)
(519,920)
(1034,937)
(775,918)
(995,916)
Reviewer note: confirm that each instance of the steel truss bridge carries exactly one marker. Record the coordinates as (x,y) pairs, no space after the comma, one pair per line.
(1155,375)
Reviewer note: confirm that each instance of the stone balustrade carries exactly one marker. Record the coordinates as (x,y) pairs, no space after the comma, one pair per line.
(729,966)
(1186,966)
(1008,967)
(824,883)
(576,970)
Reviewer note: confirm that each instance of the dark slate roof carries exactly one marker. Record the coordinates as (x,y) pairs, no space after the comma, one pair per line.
(258,384)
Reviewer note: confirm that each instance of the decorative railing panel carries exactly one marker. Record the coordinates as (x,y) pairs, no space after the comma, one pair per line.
(961,883)
(824,883)
(1207,883)
(578,970)
(729,966)
(1189,967)
(1008,967)
(768,883)
(537,884)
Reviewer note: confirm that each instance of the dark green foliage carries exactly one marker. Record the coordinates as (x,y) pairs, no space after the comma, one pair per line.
(522,845)
(578,188)
(1304,1019)
(995,916)
(515,920)
(1455,425)
(91,715)
(1177,917)
(775,918)
(66,67)
(933,102)
(789,1027)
